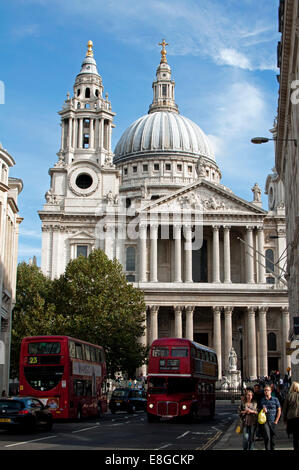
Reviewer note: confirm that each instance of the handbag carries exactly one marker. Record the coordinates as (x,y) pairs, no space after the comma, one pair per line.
(239,428)
(262,418)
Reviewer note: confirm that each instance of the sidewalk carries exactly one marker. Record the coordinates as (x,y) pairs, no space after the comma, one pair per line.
(233,441)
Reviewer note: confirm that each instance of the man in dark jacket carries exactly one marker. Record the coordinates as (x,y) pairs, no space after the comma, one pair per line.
(272,408)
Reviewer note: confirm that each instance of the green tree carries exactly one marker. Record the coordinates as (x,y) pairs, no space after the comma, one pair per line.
(91,301)
(33,313)
(96,303)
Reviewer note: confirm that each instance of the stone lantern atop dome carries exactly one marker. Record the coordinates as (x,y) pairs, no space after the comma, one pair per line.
(163,86)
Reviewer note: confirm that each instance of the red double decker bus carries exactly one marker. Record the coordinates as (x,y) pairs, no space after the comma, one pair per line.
(181,379)
(67,374)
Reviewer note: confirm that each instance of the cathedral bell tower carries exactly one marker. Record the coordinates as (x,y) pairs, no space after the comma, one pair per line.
(84,178)
(86,118)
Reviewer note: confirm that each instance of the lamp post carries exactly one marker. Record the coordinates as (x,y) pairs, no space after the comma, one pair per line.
(240,329)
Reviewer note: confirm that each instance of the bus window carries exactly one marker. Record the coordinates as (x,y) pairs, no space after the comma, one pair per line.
(179,352)
(72,349)
(160,352)
(93,356)
(79,352)
(87,352)
(79,388)
(44,348)
(157,385)
(180,385)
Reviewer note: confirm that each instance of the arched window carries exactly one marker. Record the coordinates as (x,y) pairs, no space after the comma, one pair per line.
(269,261)
(130,258)
(272,342)
(87,93)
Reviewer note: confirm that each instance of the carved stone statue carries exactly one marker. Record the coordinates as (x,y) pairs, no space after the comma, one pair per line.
(256,193)
(232,360)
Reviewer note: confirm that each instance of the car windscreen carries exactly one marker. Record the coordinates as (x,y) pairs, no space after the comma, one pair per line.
(119,393)
(11,405)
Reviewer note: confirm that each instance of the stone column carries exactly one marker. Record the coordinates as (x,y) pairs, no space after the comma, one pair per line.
(286,360)
(80,135)
(75,133)
(101,133)
(188,254)
(91,134)
(142,252)
(189,321)
(261,251)
(227,264)
(217,337)
(154,309)
(69,132)
(177,229)
(62,135)
(109,240)
(263,348)
(249,256)
(154,253)
(178,327)
(251,341)
(228,336)
(216,257)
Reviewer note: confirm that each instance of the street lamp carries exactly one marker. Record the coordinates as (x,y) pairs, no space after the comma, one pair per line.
(264,140)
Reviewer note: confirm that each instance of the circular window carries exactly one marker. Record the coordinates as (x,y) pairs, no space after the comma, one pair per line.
(84,181)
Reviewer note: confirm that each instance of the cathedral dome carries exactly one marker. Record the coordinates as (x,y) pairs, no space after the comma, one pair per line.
(163,131)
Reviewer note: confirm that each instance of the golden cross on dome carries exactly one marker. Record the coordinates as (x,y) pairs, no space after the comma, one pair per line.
(89,52)
(163,52)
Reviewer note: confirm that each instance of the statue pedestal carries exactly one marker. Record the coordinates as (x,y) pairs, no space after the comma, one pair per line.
(234,379)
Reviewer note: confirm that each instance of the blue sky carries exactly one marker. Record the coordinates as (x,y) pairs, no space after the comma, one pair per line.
(223,59)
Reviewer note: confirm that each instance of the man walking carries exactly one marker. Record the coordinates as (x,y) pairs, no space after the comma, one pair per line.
(272,408)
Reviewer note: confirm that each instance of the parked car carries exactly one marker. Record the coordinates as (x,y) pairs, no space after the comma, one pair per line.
(127,399)
(26,412)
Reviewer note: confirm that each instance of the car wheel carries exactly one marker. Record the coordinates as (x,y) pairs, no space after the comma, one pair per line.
(99,411)
(49,424)
(79,414)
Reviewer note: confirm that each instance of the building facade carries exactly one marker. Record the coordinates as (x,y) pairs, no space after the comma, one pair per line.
(287,150)
(208,262)
(10,188)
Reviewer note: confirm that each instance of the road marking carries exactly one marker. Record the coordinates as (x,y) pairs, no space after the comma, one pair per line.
(210,441)
(164,447)
(183,435)
(28,442)
(85,429)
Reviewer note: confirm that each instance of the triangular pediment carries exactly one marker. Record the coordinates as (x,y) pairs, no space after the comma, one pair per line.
(82,235)
(206,197)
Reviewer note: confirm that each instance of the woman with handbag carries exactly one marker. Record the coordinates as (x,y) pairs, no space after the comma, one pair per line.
(248,414)
(291,413)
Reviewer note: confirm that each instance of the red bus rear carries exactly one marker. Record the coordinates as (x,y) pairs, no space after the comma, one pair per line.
(67,374)
(181,379)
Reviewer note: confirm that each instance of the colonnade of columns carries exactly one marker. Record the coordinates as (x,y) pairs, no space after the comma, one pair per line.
(251,255)
(254,334)
(99,132)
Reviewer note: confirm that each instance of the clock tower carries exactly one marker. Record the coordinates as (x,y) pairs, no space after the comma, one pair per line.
(84,177)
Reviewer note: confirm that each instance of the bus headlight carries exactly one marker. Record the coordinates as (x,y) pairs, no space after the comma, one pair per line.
(151,406)
(184,407)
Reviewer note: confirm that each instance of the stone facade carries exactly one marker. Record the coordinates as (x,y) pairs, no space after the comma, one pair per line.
(287,146)
(10,188)
(208,261)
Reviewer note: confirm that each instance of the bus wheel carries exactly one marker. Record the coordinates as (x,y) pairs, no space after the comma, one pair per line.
(152,418)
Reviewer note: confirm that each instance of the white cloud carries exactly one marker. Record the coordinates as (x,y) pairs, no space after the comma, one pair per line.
(233,58)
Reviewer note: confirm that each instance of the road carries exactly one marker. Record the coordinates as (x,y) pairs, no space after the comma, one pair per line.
(123,431)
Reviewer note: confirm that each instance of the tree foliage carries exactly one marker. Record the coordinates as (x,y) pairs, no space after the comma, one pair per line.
(91,301)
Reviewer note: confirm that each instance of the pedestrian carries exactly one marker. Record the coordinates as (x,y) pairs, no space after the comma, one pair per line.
(257,396)
(272,408)
(291,413)
(248,413)
(3,394)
